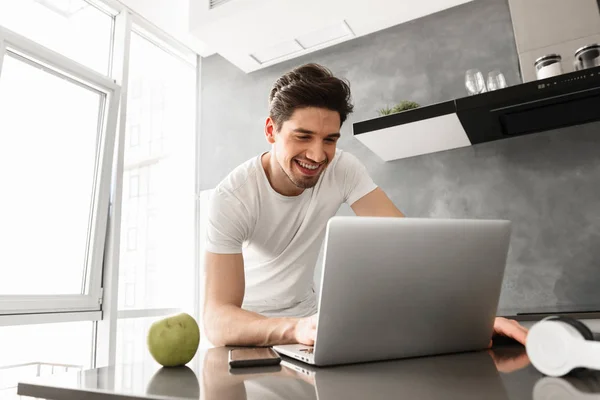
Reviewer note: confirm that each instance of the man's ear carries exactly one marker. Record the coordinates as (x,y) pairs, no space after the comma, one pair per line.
(270,130)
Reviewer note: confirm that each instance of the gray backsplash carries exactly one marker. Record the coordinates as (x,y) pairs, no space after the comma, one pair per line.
(548,184)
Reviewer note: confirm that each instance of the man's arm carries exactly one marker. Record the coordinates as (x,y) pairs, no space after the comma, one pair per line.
(375,204)
(227,324)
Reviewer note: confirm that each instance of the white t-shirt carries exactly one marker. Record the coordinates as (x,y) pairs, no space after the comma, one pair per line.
(280,236)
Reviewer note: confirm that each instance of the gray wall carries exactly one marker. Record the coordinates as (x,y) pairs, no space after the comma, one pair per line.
(548,184)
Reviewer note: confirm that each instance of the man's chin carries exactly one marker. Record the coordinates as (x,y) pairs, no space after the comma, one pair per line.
(306,183)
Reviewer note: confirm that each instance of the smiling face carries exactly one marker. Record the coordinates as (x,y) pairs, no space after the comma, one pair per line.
(304,146)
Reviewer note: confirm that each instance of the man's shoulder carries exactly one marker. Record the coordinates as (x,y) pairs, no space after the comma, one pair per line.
(343,161)
(240,178)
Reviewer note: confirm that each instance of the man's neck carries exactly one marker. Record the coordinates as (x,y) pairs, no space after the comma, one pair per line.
(278,179)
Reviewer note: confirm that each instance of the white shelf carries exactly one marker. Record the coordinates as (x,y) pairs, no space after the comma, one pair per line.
(416,138)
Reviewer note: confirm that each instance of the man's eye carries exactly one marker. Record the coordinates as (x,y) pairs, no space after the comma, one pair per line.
(330,140)
(303,137)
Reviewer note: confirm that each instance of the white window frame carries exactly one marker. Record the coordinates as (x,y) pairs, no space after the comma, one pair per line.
(106,333)
(104,311)
(63,66)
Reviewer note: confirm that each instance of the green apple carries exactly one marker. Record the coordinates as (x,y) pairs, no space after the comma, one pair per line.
(173,341)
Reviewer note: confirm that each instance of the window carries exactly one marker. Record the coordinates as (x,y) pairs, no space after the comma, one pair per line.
(73,28)
(158,192)
(58,122)
(131,239)
(55,178)
(134,135)
(38,350)
(49,209)
(134,184)
(131,340)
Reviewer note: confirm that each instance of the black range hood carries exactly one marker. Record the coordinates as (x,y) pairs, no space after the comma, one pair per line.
(565,100)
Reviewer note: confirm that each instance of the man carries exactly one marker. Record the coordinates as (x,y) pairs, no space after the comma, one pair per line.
(267,218)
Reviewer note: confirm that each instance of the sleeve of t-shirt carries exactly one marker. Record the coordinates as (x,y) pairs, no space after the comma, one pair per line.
(226,228)
(356,180)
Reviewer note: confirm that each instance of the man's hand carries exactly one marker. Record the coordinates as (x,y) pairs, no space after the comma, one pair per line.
(305,330)
(510,328)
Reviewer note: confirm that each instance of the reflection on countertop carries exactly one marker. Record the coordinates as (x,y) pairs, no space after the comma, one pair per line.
(499,373)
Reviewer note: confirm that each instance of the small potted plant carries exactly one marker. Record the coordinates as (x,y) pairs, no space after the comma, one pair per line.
(402,106)
(385,111)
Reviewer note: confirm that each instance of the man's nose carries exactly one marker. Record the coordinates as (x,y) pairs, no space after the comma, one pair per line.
(316,152)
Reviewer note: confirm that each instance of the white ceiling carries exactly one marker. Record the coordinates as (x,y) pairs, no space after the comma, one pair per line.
(253,34)
(172,17)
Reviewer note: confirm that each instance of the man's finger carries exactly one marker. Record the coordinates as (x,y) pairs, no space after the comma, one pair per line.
(511,329)
(520,336)
(520,333)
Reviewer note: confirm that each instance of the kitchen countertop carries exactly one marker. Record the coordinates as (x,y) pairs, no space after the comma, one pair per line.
(500,373)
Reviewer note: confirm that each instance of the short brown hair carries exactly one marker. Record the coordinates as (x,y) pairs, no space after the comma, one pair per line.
(309,85)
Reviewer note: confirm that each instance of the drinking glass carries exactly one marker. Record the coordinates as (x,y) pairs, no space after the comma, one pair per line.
(496,80)
(474,82)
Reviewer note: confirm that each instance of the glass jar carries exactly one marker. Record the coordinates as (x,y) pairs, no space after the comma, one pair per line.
(587,57)
(548,65)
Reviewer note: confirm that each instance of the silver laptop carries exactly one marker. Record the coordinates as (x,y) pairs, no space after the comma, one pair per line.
(402,287)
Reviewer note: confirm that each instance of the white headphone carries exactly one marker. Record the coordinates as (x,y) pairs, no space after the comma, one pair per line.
(558,345)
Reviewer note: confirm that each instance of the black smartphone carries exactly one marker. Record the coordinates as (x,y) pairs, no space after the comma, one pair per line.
(253,357)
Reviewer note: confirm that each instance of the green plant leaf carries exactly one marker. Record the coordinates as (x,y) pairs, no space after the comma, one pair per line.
(385,111)
(405,105)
